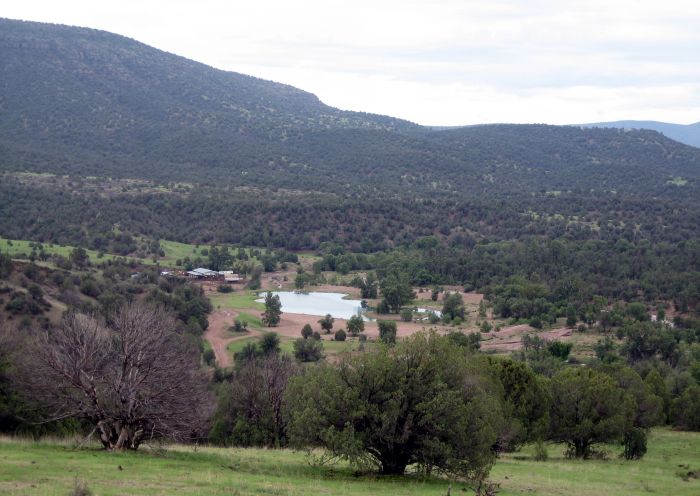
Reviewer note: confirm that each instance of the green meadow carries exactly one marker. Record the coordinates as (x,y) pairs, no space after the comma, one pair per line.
(52,469)
(17,248)
(236,300)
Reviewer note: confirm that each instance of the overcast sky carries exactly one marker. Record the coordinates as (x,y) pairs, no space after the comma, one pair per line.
(440,62)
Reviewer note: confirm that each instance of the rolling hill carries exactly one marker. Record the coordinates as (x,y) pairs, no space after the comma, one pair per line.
(90,103)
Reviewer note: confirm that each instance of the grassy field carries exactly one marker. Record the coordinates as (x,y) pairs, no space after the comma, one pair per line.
(287,345)
(236,346)
(28,468)
(18,248)
(174,250)
(236,300)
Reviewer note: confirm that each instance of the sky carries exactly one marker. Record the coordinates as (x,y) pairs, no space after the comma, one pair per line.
(439,62)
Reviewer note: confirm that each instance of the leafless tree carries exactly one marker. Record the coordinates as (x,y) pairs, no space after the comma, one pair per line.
(134,378)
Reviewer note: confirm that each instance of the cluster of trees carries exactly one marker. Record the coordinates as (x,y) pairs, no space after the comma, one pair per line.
(434,402)
(428,400)
(619,249)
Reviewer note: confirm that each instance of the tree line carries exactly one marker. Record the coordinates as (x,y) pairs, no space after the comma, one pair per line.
(429,401)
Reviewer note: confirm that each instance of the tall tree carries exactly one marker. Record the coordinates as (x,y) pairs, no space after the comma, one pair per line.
(588,408)
(423,401)
(397,291)
(273,310)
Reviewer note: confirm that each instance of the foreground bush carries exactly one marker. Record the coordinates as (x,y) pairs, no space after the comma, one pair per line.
(423,401)
(588,408)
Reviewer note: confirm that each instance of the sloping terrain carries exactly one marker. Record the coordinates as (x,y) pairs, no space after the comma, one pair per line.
(91,103)
(684,133)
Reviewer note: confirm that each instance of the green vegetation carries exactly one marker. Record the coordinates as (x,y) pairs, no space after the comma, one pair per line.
(238,345)
(23,249)
(174,250)
(51,468)
(237,300)
(553,224)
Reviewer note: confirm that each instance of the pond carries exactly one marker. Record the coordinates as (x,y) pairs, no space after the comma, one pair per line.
(317,303)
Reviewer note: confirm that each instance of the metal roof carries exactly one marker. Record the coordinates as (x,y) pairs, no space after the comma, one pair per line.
(204,272)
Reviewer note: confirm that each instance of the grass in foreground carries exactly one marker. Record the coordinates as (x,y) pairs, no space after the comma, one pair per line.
(52,468)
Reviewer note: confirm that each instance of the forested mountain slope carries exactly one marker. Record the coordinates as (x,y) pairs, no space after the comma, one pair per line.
(685,133)
(87,102)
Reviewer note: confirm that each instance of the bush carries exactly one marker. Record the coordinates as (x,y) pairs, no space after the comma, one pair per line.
(453,307)
(340,335)
(685,411)
(406,315)
(224,288)
(541,454)
(356,325)
(80,488)
(269,343)
(209,357)
(387,331)
(307,331)
(635,442)
(316,335)
(588,408)
(382,307)
(308,350)
(239,326)
(559,350)
(249,405)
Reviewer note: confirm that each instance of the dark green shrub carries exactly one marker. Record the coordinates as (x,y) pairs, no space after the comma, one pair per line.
(635,443)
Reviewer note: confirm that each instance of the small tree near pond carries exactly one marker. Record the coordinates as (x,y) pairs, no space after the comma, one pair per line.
(306,331)
(356,325)
(273,310)
(327,323)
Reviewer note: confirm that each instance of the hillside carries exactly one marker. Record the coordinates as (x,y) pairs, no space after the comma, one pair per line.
(684,133)
(91,103)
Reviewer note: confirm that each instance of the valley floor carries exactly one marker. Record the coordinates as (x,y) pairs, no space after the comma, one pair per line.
(52,468)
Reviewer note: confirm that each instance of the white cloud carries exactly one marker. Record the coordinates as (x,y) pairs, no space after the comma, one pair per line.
(440,62)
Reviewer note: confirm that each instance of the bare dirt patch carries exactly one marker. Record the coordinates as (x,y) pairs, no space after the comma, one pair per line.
(510,338)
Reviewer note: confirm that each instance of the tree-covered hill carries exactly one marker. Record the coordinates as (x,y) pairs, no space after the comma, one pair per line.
(685,133)
(87,102)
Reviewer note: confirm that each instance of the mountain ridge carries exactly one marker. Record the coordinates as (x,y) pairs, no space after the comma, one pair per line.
(688,134)
(87,102)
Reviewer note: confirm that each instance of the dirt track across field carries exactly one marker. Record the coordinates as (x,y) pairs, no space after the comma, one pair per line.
(510,338)
(218,337)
